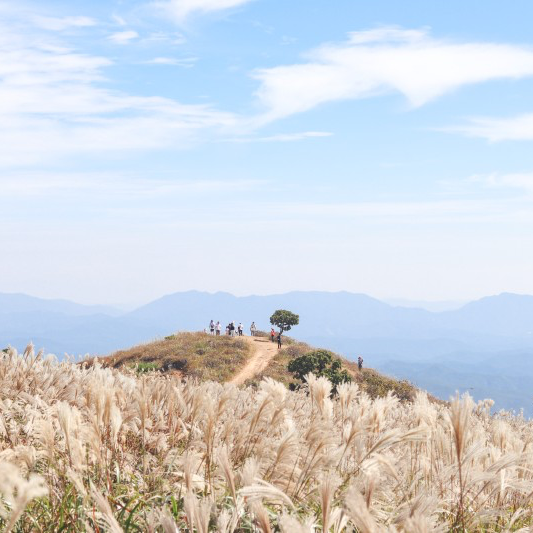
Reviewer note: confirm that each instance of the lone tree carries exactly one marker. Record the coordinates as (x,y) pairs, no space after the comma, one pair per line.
(284,320)
(321,363)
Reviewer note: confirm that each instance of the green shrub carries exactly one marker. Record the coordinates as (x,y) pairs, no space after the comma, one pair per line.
(378,386)
(143,367)
(321,363)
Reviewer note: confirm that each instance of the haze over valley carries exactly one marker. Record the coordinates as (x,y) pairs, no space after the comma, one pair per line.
(485,347)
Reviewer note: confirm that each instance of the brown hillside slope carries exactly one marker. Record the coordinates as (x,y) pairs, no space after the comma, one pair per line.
(196,355)
(239,360)
(369,380)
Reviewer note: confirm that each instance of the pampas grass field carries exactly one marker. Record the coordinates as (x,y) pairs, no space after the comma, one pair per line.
(95,449)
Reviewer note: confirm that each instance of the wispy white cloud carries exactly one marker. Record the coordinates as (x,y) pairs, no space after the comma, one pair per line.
(522,181)
(179,10)
(125,186)
(123,37)
(481,210)
(185,62)
(517,128)
(384,60)
(119,20)
(282,137)
(63,23)
(55,101)
(160,36)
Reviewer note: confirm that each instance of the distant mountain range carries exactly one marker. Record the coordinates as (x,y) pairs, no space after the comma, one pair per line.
(485,347)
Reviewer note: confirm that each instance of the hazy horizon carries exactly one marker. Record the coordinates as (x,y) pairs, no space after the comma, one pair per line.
(430,305)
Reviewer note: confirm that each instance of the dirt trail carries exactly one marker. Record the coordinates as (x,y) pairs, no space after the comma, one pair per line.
(264,351)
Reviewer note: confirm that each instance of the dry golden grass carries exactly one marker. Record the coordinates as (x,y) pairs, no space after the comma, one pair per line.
(196,355)
(208,358)
(95,449)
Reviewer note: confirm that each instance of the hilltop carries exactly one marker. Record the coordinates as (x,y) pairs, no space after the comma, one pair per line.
(187,354)
(240,360)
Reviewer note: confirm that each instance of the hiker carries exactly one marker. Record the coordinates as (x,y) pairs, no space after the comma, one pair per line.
(279,340)
(227,329)
(240,329)
(272,334)
(212,327)
(232,329)
(360,363)
(218,328)
(253,329)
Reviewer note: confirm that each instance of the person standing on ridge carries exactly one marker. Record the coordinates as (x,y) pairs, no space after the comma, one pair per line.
(360,363)
(253,329)
(240,329)
(212,327)
(218,328)
(279,340)
(272,334)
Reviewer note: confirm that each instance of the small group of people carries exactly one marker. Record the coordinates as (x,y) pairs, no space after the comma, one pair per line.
(214,329)
(231,329)
(277,336)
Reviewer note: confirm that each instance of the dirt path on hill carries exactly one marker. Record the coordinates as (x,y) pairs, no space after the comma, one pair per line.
(264,350)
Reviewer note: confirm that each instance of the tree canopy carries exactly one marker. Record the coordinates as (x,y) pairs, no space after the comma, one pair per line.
(320,363)
(284,320)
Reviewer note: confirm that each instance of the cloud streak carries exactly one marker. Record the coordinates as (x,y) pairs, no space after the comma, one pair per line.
(386,60)
(185,62)
(123,186)
(179,10)
(123,37)
(282,137)
(57,102)
(63,23)
(517,128)
(522,181)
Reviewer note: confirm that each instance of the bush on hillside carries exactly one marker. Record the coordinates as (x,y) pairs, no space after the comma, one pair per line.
(321,363)
(143,367)
(378,386)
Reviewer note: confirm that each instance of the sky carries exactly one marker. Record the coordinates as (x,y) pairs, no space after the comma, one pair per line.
(263,146)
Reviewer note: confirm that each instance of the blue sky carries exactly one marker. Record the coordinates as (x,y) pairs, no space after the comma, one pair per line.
(265,146)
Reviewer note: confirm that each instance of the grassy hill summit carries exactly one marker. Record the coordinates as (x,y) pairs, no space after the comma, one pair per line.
(241,360)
